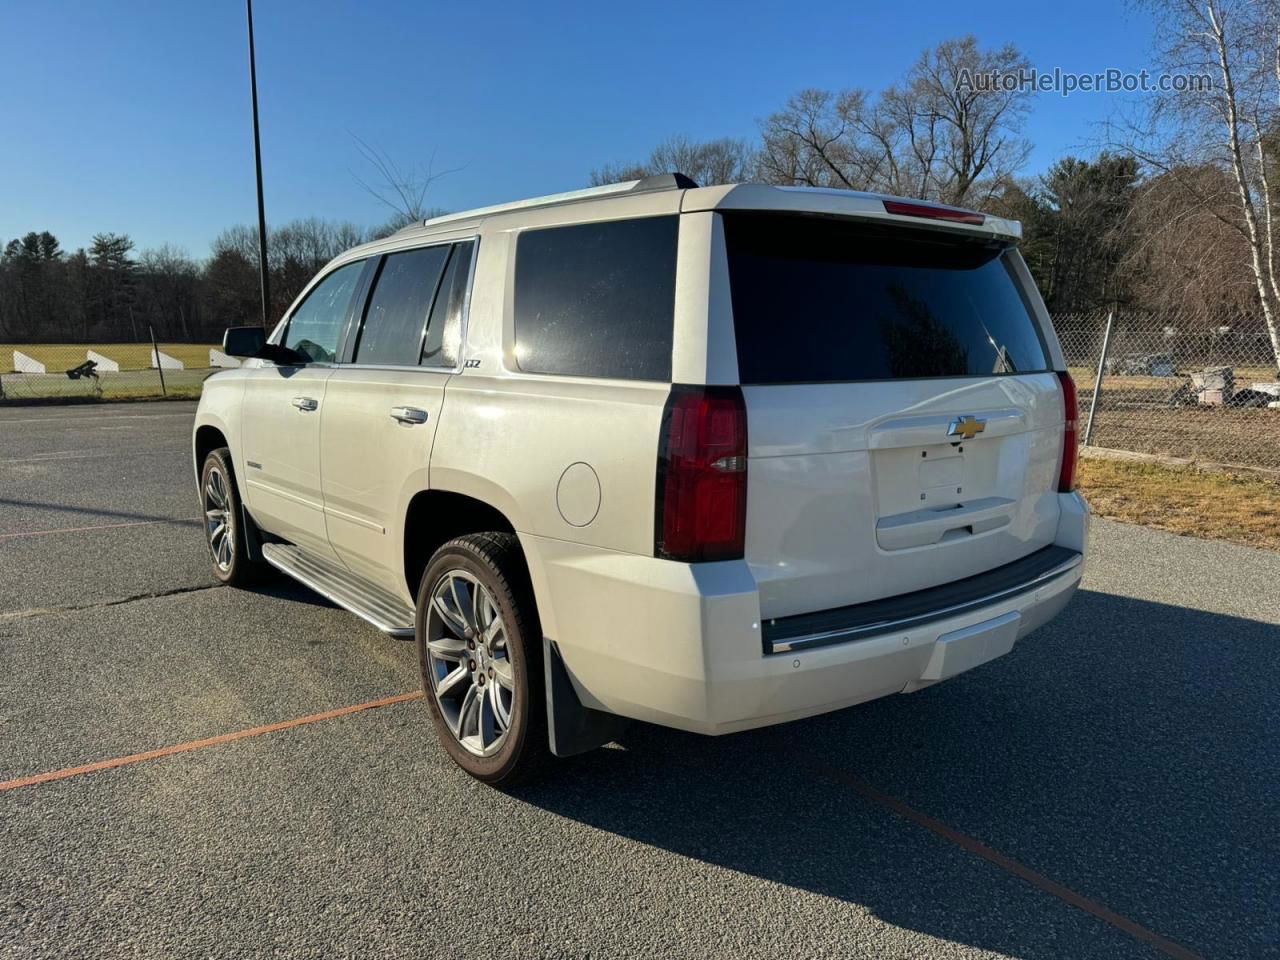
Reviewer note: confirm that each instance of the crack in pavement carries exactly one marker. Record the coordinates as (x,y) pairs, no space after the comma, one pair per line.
(33,613)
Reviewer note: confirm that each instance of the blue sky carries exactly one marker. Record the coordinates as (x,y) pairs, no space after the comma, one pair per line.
(133,116)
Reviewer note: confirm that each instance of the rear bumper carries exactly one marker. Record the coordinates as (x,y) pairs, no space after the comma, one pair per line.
(683,646)
(902,613)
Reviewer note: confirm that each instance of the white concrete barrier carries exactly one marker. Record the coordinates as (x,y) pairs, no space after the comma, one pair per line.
(105,364)
(24,364)
(164,361)
(219,359)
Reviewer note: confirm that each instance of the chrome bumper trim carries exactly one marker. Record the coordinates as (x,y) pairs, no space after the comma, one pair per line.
(864,631)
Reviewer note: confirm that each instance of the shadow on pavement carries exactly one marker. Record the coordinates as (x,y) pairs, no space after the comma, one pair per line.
(1127,750)
(277,585)
(100,512)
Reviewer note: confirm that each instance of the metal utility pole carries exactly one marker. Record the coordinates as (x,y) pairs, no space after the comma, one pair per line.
(257,160)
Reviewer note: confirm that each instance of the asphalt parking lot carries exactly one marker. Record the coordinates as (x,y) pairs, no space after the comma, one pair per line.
(1109,789)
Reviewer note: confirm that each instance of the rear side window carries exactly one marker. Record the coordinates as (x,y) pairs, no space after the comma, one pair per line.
(316,326)
(444,330)
(597,299)
(396,318)
(818,300)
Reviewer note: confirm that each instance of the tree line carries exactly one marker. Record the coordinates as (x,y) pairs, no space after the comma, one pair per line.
(1170,212)
(111,292)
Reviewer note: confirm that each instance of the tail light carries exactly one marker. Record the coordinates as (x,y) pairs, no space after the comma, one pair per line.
(1070,434)
(702,475)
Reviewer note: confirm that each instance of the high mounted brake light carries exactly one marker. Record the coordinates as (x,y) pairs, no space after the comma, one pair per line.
(903,209)
(701,510)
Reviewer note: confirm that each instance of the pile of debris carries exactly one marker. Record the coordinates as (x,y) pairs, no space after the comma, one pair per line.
(1215,387)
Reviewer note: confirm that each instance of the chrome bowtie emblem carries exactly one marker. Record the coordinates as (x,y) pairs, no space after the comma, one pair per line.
(966,427)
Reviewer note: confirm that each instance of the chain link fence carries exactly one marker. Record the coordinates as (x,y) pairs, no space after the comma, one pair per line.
(106,371)
(1172,386)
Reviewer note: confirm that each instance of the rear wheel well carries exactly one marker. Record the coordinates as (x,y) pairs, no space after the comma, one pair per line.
(437,516)
(208,439)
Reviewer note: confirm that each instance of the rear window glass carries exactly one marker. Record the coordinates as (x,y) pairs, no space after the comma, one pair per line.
(817,300)
(597,299)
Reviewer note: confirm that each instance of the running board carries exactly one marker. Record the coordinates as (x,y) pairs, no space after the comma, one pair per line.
(366,600)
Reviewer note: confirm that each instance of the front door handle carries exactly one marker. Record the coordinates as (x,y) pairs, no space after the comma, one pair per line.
(305,403)
(408,415)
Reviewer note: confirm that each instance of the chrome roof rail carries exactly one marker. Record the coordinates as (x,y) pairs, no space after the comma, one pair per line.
(664,181)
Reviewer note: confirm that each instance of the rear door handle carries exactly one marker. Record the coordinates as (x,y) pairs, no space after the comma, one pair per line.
(408,415)
(305,403)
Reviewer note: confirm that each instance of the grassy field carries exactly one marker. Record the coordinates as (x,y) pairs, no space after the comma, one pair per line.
(58,357)
(126,385)
(1242,509)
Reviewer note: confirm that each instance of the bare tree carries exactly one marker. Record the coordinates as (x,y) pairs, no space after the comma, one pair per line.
(707,162)
(1230,124)
(296,251)
(942,134)
(956,139)
(170,279)
(822,139)
(403,191)
(1189,260)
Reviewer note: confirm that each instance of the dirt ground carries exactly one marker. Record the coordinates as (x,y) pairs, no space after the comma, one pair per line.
(1246,436)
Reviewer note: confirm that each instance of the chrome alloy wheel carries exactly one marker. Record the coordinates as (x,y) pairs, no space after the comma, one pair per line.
(472,678)
(218,526)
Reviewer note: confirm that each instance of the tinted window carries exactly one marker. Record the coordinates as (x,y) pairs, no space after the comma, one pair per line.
(597,300)
(316,326)
(820,300)
(397,314)
(444,332)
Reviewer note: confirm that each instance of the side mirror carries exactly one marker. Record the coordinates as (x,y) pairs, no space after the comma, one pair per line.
(244,341)
(251,342)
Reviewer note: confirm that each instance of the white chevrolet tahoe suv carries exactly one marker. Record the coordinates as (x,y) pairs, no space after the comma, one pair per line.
(712,458)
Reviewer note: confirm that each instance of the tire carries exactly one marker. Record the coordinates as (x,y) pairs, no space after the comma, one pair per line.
(480,655)
(224,533)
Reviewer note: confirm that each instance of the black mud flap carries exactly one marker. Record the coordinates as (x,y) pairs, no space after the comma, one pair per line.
(573,728)
(252,535)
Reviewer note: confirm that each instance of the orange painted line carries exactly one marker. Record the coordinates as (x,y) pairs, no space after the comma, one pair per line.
(99,526)
(68,772)
(1008,864)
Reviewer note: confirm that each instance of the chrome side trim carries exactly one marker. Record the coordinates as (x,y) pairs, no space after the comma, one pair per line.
(864,631)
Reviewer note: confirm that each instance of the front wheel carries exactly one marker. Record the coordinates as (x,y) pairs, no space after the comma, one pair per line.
(480,653)
(223,527)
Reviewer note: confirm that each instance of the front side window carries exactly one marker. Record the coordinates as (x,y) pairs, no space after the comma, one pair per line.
(397,313)
(597,299)
(316,326)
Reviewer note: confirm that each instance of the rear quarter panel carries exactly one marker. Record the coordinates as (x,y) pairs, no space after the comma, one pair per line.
(508,438)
